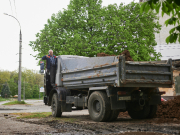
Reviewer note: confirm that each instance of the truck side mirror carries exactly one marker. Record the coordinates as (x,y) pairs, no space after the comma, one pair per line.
(41,67)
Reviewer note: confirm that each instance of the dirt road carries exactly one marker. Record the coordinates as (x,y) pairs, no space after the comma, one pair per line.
(32,106)
(78,122)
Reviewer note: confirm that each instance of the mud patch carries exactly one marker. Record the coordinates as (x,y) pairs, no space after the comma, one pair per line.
(167,112)
(123,125)
(169,109)
(124,115)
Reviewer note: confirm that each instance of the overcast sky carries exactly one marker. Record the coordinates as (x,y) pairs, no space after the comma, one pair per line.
(32,15)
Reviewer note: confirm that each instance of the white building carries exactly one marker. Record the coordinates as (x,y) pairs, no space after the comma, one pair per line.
(167,50)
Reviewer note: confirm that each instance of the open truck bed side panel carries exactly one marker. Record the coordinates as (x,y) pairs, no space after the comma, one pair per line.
(83,72)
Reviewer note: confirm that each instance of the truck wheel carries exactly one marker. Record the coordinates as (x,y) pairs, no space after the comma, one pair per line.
(135,112)
(56,106)
(113,116)
(99,106)
(45,100)
(153,110)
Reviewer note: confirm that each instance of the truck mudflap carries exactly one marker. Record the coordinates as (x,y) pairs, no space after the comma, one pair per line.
(62,93)
(115,102)
(155,99)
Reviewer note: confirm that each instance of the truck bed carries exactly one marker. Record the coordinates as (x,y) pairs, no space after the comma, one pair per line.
(83,72)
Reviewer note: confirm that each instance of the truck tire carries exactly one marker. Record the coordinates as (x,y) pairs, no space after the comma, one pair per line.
(56,106)
(45,100)
(99,106)
(135,113)
(113,116)
(153,110)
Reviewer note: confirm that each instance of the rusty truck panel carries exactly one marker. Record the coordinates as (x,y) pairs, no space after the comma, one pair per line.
(84,72)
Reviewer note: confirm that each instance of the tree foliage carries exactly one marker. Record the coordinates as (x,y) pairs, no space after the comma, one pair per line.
(136,31)
(4,77)
(171,8)
(31,81)
(13,86)
(86,28)
(5,93)
(35,91)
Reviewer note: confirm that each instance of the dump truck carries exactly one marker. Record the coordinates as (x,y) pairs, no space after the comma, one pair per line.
(107,86)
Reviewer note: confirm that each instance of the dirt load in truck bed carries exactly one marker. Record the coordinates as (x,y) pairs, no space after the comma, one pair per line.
(126,53)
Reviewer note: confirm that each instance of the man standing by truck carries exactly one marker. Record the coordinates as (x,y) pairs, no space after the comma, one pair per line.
(51,61)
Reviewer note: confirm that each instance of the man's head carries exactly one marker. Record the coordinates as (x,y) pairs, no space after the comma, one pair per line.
(51,52)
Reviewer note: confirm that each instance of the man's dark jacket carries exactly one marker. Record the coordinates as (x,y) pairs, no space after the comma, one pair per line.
(48,61)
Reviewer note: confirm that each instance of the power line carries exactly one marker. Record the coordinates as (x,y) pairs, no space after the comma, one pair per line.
(11,7)
(15,8)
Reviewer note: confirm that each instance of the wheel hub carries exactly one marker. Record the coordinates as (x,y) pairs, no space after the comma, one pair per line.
(96,106)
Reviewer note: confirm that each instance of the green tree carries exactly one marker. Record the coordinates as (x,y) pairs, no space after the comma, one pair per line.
(4,77)
(73,31)
(86,28)
(13,87)
(35,91)
(28,91)
(30,78)
(128,29)
(5,93)
(171,8)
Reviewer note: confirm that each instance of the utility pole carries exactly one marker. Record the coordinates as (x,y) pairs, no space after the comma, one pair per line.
(20,47)
(19,84)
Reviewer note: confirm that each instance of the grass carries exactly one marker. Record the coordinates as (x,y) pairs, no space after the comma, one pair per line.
(32,115)
(5,99)
(15,103)
(61,119)
(44,115)
(9,99)
(35,98)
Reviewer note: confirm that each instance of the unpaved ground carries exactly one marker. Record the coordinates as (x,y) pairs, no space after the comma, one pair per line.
(79,122)
(84,125)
